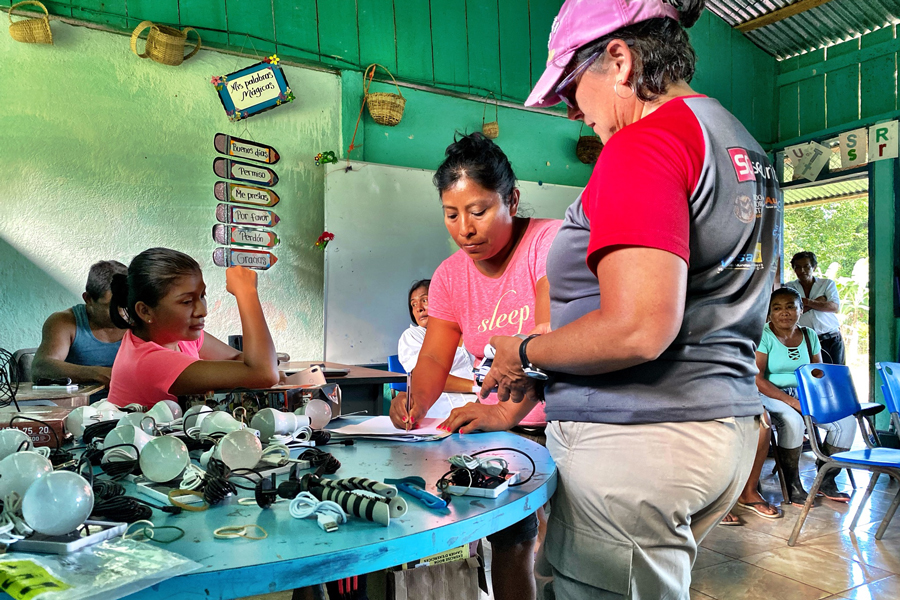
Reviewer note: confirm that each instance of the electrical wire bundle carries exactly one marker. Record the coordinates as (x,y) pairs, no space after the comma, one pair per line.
(9,379)
(217,485)
(323,462)
(98,430)
(110,501)
(469,471)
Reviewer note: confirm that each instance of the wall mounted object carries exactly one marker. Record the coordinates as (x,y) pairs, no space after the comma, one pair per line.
(239,215)
(241,148)
(165,45)
(253,89)
(31,30)
(244,194)
(491,130)
(384,107)
(241,171)
(253,259)
(588,148)
(246,236)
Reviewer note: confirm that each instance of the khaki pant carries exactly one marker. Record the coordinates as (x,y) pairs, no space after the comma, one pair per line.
(634,501)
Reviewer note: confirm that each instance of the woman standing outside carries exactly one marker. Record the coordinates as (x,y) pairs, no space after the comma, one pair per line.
(821,305)
(496,284)
(786,345)
(659,282)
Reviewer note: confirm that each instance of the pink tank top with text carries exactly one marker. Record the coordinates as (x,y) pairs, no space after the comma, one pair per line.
(483,307)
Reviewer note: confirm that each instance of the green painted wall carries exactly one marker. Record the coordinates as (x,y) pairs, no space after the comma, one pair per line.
(105,155)
(468,46)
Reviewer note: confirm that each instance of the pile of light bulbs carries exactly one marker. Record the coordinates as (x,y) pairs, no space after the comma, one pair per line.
(37,498)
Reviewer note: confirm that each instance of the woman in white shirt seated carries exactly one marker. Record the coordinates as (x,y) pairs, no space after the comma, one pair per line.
(458,388)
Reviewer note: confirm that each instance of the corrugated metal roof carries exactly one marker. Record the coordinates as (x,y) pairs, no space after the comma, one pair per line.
(825,25)
(829,192)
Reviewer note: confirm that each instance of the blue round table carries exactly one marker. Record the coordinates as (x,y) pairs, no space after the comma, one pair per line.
(297,553)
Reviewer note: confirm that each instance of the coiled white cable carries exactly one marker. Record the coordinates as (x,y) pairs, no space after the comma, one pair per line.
(12,527)
(492,465)
(329,514)
(42,450)
(192,478)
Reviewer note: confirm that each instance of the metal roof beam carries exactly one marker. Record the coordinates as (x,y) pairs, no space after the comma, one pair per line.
(779,15)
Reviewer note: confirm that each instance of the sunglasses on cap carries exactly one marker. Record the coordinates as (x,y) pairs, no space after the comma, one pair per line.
(566,88)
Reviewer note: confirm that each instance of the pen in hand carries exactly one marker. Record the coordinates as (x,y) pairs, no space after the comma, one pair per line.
(408,399)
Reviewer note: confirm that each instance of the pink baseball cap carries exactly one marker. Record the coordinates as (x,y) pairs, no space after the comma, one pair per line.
(580,22)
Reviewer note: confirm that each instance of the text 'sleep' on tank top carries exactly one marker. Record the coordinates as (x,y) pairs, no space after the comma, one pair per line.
(86,349)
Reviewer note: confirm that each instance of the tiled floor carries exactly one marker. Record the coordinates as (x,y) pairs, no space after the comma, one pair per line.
(754,561)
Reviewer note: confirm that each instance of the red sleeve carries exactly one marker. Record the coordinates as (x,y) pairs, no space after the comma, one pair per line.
(639,191)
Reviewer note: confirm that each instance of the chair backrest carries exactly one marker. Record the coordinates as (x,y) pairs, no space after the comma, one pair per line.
(394,366)
(890,374)
(24,358)
(826,392)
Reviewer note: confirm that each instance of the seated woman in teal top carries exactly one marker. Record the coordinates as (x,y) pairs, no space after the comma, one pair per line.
(784,347)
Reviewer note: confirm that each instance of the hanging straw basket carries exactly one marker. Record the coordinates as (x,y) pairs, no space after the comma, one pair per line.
(491,130)
(385,108)
(32,30)
(588,148)
(165,45)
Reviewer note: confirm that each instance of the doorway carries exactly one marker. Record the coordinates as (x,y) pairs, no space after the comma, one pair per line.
(832,220)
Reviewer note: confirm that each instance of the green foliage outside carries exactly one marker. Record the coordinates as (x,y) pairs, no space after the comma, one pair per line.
(838,233)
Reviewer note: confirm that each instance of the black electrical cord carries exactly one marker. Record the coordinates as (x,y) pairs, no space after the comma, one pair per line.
(323,462)
(98,430)
(110,501)
(58,456)
(216,485)
(121,468)
(533,467)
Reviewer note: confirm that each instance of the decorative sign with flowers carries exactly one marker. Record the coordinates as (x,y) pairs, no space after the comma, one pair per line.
(253,89)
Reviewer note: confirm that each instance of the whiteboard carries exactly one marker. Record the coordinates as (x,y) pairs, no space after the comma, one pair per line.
(389,232)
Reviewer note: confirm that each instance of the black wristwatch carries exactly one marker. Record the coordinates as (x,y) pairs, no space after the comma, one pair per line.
(530,369)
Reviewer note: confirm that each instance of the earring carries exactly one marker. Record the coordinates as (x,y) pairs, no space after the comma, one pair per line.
(616,90)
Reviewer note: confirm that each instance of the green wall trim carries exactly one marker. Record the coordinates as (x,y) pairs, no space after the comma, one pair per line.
(882,214)
(839,62)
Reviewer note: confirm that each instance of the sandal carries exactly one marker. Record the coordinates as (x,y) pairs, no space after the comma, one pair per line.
(754,507)
(735,523)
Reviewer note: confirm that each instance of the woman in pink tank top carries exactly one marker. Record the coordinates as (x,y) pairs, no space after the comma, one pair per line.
(165,353)
(496,284)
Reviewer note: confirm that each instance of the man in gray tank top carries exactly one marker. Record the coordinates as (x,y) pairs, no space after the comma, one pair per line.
(81,342)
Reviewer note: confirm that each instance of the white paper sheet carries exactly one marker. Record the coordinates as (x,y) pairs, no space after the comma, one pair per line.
(382,428)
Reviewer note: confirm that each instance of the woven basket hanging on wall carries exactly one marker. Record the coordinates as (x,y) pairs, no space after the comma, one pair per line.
(33,29)
(165,45)
(491,130)
(588,148)
(385,108)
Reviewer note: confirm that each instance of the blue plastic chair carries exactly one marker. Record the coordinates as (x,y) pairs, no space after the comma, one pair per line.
(890,374)
(394,366)
(826,395)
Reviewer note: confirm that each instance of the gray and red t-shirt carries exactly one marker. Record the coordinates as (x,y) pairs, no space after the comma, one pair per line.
(484,306)
(691,180)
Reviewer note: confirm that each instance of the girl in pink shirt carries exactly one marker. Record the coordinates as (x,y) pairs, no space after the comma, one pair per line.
(165,353)
(495,283)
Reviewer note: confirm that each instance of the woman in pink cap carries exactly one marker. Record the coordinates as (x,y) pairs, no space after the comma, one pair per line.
(659,283)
